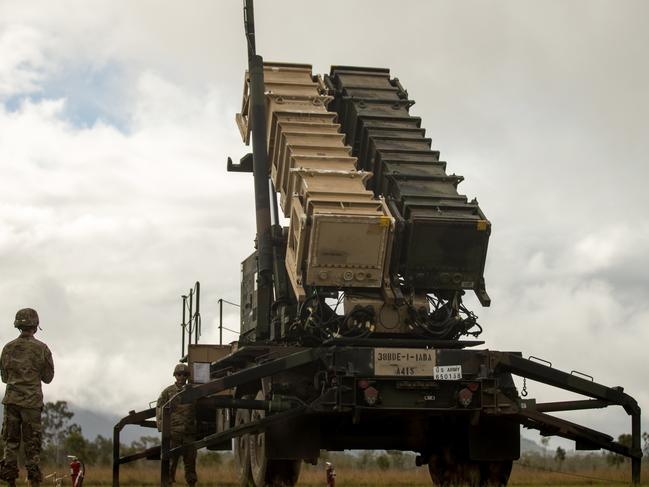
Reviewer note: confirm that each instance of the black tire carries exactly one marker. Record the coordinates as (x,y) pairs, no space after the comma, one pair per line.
(282,473)
(241,450)
(446,470)
(449,471)
(264,471)
(495,474)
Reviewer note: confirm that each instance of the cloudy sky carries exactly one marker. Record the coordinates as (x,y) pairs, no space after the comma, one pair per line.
(116,119)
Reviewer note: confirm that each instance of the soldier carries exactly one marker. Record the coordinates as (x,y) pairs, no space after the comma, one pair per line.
(331,474)
(25,363)
(183,428)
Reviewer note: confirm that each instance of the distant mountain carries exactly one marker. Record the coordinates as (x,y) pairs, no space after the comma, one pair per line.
(530,446)
(95,423)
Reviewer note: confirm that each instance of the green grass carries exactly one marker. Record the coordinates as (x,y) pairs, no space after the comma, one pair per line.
(146,474)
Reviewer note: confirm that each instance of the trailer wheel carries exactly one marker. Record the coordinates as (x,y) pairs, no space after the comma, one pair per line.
(242,450)
(447,470)
(495,473)
(264,471)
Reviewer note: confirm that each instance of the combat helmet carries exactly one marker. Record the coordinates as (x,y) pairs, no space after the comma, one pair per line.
(25,318)
(181,369)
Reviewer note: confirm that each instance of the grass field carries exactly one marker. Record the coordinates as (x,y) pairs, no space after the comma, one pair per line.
(145,475)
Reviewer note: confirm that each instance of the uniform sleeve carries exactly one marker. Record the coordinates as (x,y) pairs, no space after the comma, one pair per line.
(3,370)
(47,374)
(162,400)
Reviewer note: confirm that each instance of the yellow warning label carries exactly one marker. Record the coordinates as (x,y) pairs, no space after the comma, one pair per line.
(384,221)
(482,225)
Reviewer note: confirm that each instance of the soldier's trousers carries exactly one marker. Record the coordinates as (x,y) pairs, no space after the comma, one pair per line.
(21,423)
(189,459)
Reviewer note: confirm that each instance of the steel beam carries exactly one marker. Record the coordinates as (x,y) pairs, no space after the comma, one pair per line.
(150,454)
(550,425)
(231,402)
(191,394)
(549,407)
(244,429)
(250,374)
(165,446)
(515,364)
(636,449)
(402,342)
(140,418)
(603,396)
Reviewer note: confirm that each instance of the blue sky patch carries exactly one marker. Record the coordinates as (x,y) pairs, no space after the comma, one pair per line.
(92,94)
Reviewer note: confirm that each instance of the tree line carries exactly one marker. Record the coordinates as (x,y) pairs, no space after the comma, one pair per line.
(63,437)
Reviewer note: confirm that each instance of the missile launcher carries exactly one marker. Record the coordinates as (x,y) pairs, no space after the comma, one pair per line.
(353,330)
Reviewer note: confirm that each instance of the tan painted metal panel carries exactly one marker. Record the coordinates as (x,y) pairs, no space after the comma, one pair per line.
(391,318)
(347,249)
(284,72)
(281,104)
(199,358)
(292,151)
(311,184)
(287,140)
(295,248)
(274,145)
(339,234)
(292,90)
(316,162)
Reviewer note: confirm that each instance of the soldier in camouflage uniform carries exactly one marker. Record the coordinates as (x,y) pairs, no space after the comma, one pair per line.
(25,363)
(183,427)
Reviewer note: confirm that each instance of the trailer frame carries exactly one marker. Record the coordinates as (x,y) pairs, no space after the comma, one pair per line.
(529,413)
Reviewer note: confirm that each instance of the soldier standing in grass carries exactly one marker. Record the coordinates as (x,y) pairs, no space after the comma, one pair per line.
(24,363)
(183,428)
(331,474)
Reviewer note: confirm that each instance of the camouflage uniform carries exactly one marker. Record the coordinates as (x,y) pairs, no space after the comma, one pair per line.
(183,430)
(24,363)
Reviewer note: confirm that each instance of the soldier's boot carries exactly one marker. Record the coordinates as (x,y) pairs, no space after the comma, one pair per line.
(8,473)
(34,476)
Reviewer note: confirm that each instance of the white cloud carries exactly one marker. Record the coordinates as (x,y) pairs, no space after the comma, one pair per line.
(103,227)
(103,230)
(23,62)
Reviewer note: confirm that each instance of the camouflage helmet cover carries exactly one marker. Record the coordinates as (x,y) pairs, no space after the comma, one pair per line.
(181,369)
(25,318)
